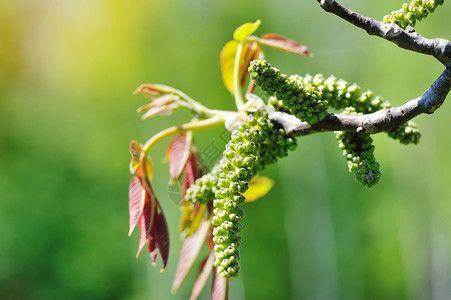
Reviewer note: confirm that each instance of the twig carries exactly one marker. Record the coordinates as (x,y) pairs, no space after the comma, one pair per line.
(382,120)
(407,39)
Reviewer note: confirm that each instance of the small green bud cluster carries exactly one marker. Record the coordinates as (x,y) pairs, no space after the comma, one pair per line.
(203,189)
(359,151)
(407,133)
(253,145)
(304,102)
(410,13)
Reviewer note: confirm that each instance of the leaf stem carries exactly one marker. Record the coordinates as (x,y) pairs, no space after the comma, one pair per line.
(200,125)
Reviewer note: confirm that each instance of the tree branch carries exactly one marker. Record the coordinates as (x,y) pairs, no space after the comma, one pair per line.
(382,120)
(407,39)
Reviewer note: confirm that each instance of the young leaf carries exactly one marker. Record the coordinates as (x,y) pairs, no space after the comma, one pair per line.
(259,186)
(205,270)
(227,60)
(190,249)
(159,101)
(152,247)
(177,153)
(162,238)
(136,200)
(144,169)
(191,172)
(219,287)
(160,110)
(282,43)
(135,151)
(250,53)
(245,30)
(154,89)
(146,221)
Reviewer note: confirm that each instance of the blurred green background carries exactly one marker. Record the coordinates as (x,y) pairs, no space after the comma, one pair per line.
(67,114)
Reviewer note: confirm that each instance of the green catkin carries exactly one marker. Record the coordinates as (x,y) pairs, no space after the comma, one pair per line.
(359,152)
(204,188)
(411,12)
(340,94)
(406,134)
(305,102)
(253,145)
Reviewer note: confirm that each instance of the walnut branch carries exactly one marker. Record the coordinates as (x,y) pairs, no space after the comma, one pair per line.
(382,120)
(406,39)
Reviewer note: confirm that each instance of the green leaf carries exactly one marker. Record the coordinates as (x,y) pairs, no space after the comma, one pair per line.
(241,33)
(259,186)
(227,60)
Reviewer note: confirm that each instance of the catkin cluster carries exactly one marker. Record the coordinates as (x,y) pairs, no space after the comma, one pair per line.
(340,94)
(253,145)
(305,102)
(204,188)
(359,152)
(412,12)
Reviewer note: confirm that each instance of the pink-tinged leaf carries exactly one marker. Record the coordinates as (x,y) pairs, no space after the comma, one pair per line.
(146,221)
(250,52)
(152,246)
(159,101)
(178,153)
(285,44)
(209,239)
(219,287)
(205,270)
(191,173)
(159,110)
(162,238)
(190,250)
(136,200)
(154,89)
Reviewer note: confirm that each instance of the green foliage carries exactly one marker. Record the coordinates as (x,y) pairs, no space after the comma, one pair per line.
(410,13)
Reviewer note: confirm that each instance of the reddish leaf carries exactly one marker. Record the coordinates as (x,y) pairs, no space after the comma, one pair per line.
(188,254)
(162,238)
(160,110)
(219,287)
(154,89)
(152,246)
(159,101)
(178,153)
(209,239)
(250,52)
(136,200)
(205,270)
(146,221)
(191,173)
(282,43)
